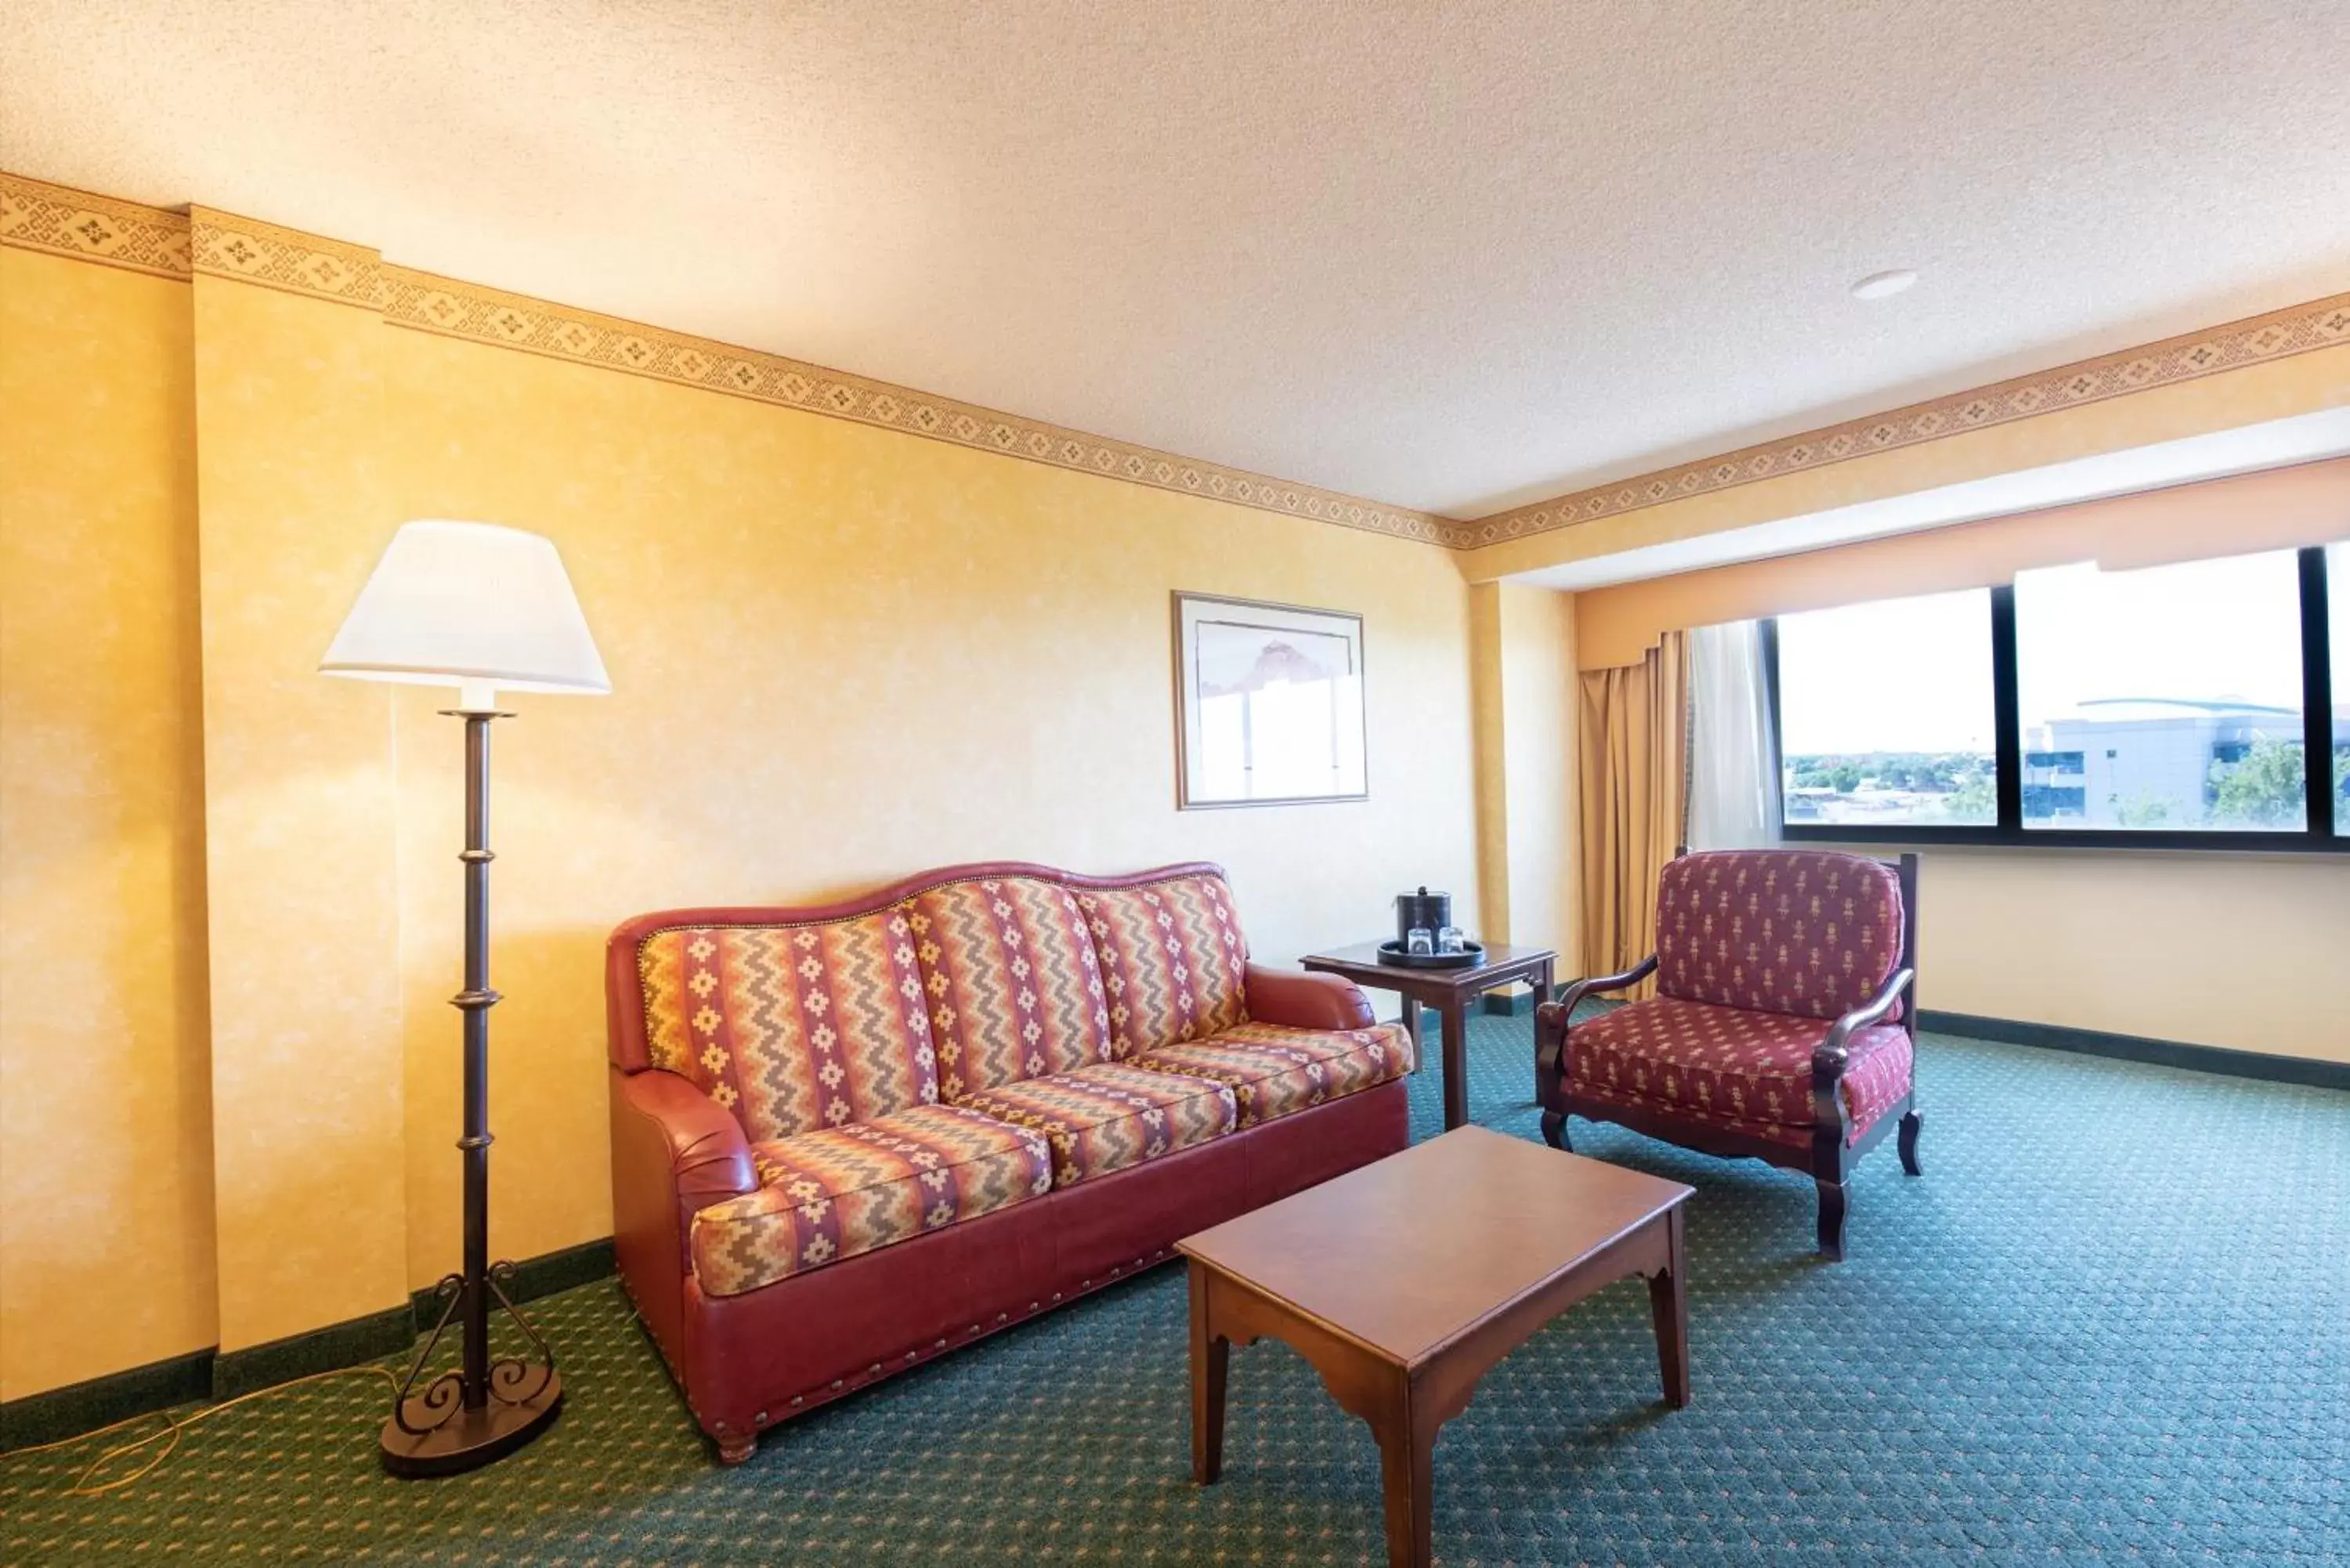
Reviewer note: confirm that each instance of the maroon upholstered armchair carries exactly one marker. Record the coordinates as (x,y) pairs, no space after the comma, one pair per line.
(1784,1025)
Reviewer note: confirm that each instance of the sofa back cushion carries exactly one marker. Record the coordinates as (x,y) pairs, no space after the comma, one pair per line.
(792,1027)
(1173,960)
(1012,981)
(1777,930)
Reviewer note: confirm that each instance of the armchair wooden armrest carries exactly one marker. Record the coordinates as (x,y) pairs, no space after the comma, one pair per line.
(1552,1017)
(1828,1061)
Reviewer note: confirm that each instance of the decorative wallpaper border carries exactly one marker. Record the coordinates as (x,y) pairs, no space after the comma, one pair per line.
(57,219)
(250,251)
(2297,329)
(476,313)
(35,215)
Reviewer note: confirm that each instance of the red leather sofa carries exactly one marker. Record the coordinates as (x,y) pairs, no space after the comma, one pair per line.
(848,1138)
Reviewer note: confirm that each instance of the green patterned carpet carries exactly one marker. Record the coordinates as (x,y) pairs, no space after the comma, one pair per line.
(2110,1325)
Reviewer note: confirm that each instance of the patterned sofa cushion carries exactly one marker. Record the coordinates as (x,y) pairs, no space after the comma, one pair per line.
(1101,1119)
(826,1196)
(1272,1069)
(1729,1063)
(1173,957)
(1014,982)
(792,1028)
(1777,930)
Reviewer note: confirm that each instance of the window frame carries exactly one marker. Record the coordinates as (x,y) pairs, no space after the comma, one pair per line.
(2317,836)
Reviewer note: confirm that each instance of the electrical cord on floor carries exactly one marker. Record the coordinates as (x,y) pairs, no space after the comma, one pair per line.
(169,1433)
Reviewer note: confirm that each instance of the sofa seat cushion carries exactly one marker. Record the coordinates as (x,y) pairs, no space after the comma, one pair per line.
(1013,985)
(792,1027)
(1172,957)
(829,1195)
(1727,1062)
(1273,1069)
(1105,1119)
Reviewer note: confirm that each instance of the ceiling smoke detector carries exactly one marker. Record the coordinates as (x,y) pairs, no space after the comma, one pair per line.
(1884,285)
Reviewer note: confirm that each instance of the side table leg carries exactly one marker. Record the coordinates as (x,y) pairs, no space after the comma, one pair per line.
(1411,1027)
(1668,1304)
(1455,1015)
(1211,1359)
(1545,989)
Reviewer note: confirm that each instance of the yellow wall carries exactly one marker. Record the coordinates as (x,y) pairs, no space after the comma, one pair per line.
(299,817)
(1538,638)
(2232,951)
(105,1181)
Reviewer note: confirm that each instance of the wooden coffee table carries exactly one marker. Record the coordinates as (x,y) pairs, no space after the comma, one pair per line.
(1405,1281)
(1450,992)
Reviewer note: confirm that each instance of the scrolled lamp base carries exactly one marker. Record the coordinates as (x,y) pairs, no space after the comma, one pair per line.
(437,1431)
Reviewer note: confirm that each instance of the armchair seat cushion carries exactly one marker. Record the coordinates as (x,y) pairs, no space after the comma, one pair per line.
(1273,1069)
(1104,1119)
(1730,1062)
(825,1196)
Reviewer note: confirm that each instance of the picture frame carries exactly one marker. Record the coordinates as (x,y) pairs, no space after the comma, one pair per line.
(1269,704)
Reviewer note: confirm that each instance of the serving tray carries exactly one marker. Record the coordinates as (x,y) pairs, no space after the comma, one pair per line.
(1391,953)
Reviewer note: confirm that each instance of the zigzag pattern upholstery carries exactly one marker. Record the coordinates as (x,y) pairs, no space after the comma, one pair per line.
(1273,1069)
(826,1196)
(1777,930)
(1725,1062)
(1106,1118)
(792,1028)
(1172,957)
(1013,986)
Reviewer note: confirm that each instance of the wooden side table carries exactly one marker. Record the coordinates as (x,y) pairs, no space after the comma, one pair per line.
(1450,992)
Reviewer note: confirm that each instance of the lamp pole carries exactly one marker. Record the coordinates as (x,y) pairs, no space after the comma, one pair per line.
(487,1408)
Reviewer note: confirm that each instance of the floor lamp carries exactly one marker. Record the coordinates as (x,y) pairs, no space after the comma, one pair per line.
(476,607)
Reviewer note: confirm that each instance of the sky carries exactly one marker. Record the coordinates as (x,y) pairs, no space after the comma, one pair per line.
(1914,674)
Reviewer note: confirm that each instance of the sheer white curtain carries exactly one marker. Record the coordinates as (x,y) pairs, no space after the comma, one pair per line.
(1733,793)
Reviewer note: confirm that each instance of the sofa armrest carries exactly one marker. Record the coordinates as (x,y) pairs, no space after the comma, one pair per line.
(1305,1001)
(667,1134)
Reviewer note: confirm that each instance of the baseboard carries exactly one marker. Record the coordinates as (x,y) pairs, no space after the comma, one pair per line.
(57,1413)
(2139,1048)
(328,1349)
(1511,1003)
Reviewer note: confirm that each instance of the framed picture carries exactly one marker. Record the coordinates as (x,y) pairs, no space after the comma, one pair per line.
(1268,704)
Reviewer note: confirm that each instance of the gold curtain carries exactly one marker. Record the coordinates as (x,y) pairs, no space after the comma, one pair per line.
(1633,742)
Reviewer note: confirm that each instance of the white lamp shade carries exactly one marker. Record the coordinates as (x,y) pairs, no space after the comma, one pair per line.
(471,604)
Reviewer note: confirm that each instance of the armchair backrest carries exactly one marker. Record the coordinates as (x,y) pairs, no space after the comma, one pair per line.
(1810,933)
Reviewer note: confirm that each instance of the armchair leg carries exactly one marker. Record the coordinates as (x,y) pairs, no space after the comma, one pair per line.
(1910,1124)
(1831,1219)
(1554,1130)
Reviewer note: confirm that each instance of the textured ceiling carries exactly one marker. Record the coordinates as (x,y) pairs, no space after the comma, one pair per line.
(1453,257)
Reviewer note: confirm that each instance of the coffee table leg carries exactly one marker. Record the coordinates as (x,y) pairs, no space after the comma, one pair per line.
(1455,1015)
(1211,1359)
(1668,1304)
(1407,1484)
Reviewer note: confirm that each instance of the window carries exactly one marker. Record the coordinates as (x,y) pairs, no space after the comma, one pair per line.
(2174,690)
(2337,601)
(2172,706)
(1885,712)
